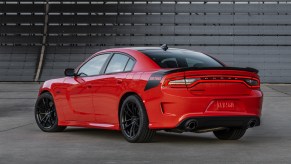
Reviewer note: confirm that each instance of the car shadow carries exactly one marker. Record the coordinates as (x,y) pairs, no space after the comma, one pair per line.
(92,132)
(160,137)
(168,137)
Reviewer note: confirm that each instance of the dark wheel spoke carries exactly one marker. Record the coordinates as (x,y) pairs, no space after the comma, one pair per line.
(128,125)
(129,110)
(134,129)
(43,118)
(46,120)
(131,131)
(134,109)
(129,120)
(51,104)
(127,113)
(51,121)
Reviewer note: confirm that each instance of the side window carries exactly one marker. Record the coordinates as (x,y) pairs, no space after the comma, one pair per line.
(117,63)
(93,66)
(129,65)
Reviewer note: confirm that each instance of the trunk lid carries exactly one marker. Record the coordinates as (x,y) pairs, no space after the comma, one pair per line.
(221,81)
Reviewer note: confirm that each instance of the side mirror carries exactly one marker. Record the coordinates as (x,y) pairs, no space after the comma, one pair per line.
(69,72)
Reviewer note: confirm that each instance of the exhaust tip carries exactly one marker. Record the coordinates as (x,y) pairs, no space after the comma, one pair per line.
(252,123)
(190,125)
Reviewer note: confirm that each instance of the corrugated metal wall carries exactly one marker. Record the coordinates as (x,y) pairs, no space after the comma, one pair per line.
(241,33)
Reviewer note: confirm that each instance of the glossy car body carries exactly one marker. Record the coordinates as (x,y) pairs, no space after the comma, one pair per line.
(218,96)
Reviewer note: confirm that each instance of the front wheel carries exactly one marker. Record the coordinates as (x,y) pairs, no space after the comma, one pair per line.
(134,121)
(46,114)
(230,134)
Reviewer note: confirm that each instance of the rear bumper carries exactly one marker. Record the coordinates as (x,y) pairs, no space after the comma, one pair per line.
(170,111)
(216,122)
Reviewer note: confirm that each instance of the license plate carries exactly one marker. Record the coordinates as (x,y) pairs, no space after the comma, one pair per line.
(225,105)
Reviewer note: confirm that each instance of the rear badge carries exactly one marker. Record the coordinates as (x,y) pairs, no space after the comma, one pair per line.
(225,105)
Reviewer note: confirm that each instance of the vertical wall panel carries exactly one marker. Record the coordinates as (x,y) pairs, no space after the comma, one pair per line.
(21,27)
(241,33)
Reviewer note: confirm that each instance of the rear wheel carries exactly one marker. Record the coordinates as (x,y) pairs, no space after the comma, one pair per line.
(46,115)
(134,121)
(230,134)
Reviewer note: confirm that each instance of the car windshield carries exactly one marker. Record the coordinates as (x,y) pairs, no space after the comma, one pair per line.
(177,58)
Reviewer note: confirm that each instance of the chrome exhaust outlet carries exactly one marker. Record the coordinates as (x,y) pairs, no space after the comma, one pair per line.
(190,125)
(252,123)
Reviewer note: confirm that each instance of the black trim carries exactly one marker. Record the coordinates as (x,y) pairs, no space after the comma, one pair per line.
(126,64)
(217,121)
(155,80)
(248,69)
(103,69)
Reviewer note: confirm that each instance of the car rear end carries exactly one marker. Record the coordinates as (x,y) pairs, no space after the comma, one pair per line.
(201,98)
(211,98)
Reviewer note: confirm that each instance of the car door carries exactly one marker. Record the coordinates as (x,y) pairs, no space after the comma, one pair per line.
(82,86)
(106,99)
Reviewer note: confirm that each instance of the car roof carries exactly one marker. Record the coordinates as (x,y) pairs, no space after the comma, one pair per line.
(142,49)
(152,48)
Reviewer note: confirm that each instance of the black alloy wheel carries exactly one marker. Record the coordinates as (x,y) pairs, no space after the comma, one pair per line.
(46,114)
(131,119)
(134,121)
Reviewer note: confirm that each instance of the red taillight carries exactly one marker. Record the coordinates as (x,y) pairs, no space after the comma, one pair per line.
(179,82)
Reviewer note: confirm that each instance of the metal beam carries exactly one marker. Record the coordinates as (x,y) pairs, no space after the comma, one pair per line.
(43,47)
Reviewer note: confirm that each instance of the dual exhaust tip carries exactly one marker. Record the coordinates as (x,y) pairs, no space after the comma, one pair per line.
(252,123)
(192,124)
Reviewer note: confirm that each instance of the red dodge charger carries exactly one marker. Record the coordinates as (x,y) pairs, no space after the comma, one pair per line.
(141,90)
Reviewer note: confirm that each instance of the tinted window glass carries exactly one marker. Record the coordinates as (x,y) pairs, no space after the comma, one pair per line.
(176,58)
(93,66)
(129,65)
(117,63)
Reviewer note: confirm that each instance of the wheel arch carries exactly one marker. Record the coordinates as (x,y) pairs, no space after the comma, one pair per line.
(44,91)
(144,134)
(61,115)
(123,97)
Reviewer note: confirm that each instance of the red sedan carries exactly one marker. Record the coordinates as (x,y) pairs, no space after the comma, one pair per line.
(144,89)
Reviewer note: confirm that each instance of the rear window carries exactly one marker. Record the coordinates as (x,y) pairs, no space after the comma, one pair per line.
(177,58)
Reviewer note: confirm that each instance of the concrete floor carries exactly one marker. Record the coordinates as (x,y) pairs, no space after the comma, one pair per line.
(22,142)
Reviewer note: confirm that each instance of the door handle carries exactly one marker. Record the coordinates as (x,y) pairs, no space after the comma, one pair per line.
(119,81)
(89,86)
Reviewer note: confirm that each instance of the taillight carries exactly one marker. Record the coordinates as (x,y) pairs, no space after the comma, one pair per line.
(184,82)
(181,82)
(252,82)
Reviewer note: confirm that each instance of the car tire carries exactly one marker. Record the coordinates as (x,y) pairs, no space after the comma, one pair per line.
(134,123)
(229,134)
(46,114)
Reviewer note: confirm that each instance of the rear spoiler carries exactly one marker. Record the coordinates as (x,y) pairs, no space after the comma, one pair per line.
(156,77)
(248,69)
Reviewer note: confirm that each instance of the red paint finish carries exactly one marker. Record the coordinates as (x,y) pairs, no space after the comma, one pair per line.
(94,101)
